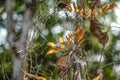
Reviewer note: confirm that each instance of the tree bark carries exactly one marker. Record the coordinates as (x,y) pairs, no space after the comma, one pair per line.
(18,43)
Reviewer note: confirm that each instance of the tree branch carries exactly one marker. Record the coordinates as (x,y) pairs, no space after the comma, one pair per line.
(9,10)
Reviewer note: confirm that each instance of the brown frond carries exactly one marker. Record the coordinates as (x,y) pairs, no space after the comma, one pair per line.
(96,31)
(62,66)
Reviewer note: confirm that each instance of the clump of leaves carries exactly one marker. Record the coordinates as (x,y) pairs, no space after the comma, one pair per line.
(75,39)
(91,11)
(69,60)
(96,30)
(94,24)
(69,64)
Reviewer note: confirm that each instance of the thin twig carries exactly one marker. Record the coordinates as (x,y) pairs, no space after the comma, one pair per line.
(101,52)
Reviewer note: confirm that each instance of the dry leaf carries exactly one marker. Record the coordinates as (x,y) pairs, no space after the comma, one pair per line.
(95,29)
(77,10)
(79,33)
(69,8)
(62,64)
(113,5)
(81,12)
(51,44)
(105,8)
(103,39)
(76,38)
(97,78)
(54,50)
(51,51)
(95,4)
(33,76)
(61,42)
(88,14)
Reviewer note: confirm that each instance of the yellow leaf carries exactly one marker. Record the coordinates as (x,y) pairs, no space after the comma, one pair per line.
(79,33)
(51,44)
(112,6)
(104,8)
(77,10)
(81,12)
(101,10)
(97,78)
(82,33)
(42,78)
(51,51)
(61,42)
(54,50)
(88,14)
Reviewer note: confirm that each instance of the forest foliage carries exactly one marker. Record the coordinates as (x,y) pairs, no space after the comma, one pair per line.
(74,47)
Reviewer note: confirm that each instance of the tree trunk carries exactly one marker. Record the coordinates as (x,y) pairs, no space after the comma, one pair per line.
(18,43)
